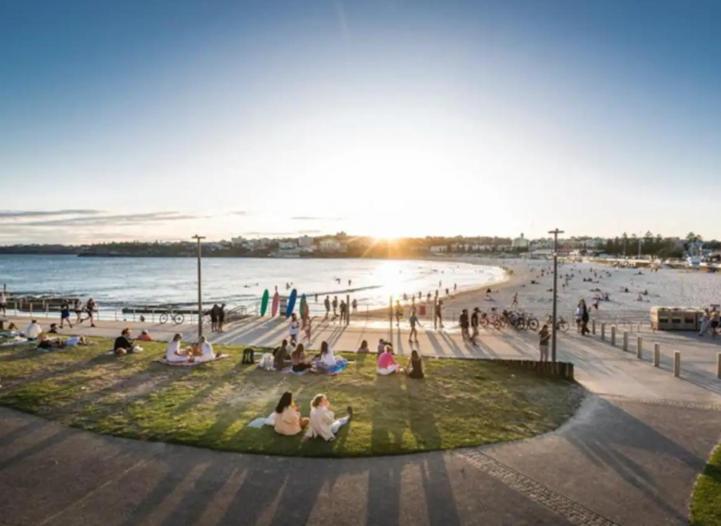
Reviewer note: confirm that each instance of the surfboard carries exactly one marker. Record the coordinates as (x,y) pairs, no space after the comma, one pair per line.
(276,302)
(303,306)
(291,303)
(264,302)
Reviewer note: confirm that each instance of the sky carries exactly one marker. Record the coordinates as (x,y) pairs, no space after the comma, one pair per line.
(161,119)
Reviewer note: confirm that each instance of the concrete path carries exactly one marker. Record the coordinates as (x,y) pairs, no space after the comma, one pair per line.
(630,456)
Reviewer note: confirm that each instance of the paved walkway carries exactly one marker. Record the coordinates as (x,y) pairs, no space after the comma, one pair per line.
(630,456)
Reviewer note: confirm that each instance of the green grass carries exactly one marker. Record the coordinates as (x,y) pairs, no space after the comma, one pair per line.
(706,499)
(460,403)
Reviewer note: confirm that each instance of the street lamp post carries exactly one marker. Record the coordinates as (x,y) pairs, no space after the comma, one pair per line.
(200,293)
(555,233)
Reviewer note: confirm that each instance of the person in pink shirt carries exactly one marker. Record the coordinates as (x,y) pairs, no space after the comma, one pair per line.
(386,362)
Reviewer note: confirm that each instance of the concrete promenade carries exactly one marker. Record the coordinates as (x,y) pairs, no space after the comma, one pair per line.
(629,456)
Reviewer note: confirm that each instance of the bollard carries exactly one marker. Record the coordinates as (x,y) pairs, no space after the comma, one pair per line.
(718,365)
(603,331)
(639,348)
(625,341)
(613,336)
(656,354)
(593,326)
(677,363)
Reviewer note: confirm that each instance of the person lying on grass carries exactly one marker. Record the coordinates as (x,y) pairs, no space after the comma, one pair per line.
(415,366)
(287,416)
(174,353)
(323,423)
(387,363)
(47,343)
(124,345)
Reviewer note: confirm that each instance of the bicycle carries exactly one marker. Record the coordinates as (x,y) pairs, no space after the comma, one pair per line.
(176,317)
(561,323)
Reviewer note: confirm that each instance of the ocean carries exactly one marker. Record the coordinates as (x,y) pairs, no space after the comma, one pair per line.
(117,282)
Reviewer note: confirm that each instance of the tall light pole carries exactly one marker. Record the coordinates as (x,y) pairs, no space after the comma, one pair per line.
(555,233)
(200,293)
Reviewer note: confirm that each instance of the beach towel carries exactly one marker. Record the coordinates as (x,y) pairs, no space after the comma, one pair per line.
(340,366)
(18,340)
(189,364)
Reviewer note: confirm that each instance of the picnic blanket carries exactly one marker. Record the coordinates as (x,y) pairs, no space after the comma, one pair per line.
(189,364)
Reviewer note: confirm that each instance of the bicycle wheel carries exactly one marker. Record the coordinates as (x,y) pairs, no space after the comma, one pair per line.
(533,324)
(563,325)
(163,318)
(178,319)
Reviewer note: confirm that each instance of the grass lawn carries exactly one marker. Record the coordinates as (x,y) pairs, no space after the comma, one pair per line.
(706,500)
(460,403)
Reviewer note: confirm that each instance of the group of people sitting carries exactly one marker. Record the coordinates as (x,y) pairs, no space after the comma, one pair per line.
(296,358)
(386,361)
(202,351)
(35,333)
(287,419)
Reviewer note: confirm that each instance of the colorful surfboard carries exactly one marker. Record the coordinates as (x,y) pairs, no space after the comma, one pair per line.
(276,302)
(264,302)
(303,306)
(291,303)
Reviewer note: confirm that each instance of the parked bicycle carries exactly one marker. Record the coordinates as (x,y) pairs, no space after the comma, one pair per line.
(175,317)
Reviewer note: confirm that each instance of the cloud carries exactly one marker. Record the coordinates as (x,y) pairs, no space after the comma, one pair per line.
(315,218)
(113,219)
(20,214)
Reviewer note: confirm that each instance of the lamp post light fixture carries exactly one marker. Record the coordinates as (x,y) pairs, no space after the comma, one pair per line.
(200,293)
(555,233)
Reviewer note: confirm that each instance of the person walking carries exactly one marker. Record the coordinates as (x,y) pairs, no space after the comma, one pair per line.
(439,313)
(65,315)
(464,323)
(475,322)
(91,308)
(414,321)
(398,313)
(221,317)
(214,317)
(3,301)
(327,306)
(544,337)
(584,317)
(335,307)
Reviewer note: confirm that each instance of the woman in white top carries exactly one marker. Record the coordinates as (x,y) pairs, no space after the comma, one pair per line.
(206,351)
(322,420)
(294,329)
(326,360)
(173,353)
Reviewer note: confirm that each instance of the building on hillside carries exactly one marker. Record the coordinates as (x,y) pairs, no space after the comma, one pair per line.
(332,246)
(520,243)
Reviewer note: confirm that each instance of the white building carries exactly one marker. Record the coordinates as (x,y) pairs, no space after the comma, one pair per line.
(332,246)
(520,242)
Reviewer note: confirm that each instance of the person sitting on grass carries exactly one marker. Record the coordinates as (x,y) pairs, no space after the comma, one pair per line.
(326,360)
(322,420)
(281,356)
(145,336)
(415,366)
(288,421)
(204,351)
(364,346)
(298,359)
(386,362)
(173,352)
(33,330)
(124,345)
(381,347)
